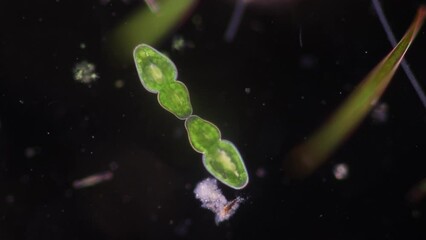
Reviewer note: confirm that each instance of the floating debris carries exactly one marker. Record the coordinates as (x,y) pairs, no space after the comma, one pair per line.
(212,198)
(10,199)
(113,166)
(379,114)
(119,84)
(182,228)
(93,180)
(261,172)
(179,43)
(31,152)
(341,171)
(197,20)
(417,192)
(84,72)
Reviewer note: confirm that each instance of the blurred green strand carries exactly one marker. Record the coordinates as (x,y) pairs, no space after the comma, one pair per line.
(308,156)
(146,26)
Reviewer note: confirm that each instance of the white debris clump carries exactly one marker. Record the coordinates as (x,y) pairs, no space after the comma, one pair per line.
(85,72)
(212,198)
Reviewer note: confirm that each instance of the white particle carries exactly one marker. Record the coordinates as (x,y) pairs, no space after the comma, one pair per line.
(119,83)
(341,171)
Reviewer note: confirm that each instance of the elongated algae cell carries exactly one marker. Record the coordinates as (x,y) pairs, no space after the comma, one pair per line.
(158,75)
(225,163)
(175,99)
(155,70)
(202,134)
(221,158)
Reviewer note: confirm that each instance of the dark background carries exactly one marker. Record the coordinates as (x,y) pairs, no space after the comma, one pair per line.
(76,130)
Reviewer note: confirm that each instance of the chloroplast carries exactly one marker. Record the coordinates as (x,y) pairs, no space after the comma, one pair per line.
(221,158)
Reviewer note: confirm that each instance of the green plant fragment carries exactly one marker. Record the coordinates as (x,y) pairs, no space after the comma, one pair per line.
(308,156)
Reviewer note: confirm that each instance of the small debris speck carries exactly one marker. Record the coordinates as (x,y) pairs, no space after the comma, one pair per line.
(119,84)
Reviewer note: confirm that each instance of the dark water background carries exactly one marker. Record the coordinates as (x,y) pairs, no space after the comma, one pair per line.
(75,130)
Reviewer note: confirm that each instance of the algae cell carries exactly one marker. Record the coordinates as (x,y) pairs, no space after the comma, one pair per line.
(158,74)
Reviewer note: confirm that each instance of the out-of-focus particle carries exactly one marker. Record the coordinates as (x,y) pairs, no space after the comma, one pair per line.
(416,214)
(308,62)
(85,72)
(126,199)
(113,166)
(10,199)
(379,114)
(153,217)
(178,43)
(68,193)
(119,84)
(93,180)
(197,20)
(82,45)
(188,186)
(247,90)
(417,192)
(24,179)
(182,227)
(31,152)
(260,172)
(341,171)
(212,198)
